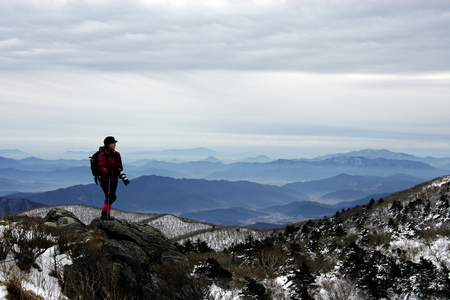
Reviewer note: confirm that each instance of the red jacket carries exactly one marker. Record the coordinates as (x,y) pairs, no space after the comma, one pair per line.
(110,163)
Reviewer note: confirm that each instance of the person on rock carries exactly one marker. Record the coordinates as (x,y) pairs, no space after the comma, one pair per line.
(110,165)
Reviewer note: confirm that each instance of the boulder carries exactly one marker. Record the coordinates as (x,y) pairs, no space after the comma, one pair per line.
(58,217)
(123,260)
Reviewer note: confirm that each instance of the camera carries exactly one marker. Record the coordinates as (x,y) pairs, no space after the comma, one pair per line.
(124,177)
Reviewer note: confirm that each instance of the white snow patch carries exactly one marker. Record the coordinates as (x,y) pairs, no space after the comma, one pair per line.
(3,292)
(223,238)
(437,251)
(332,287)
(217,293)
(173,226)
(38,281)
(439,183)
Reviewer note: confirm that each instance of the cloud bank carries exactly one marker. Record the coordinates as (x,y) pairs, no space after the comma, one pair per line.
(245,74)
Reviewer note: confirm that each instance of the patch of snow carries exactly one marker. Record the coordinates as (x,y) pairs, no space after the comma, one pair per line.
(173,226)
(331,286)
(437,251)
(217,293)
(439,183)
(223,238)
(38,281)
(3,292)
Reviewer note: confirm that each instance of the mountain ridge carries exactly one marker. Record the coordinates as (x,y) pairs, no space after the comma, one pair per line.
(65,172)
(197,197)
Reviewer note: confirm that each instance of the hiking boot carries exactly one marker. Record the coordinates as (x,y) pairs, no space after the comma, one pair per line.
(109,218)
(104,215)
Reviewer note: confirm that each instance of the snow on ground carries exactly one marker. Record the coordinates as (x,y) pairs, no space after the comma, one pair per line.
(3,292)
(332,287)
(439,183)
(173,226)
(217,293)
(37,281)
(223,238)
(437,251)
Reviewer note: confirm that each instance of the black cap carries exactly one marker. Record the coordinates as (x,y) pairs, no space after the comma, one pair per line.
(109,140)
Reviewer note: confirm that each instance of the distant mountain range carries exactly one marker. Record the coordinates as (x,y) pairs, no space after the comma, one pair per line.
(345,187)
(383,153)
(276,215)
(33,174)
(169,195)
(285,171)
(253,190)
(230,202)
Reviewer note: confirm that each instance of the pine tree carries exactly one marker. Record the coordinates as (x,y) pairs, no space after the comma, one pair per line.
(254,290)
(301,278)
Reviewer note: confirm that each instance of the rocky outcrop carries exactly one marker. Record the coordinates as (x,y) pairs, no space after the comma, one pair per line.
(123,260)
(58,217)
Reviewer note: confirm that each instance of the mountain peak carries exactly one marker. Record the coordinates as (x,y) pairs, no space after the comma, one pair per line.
(372,153)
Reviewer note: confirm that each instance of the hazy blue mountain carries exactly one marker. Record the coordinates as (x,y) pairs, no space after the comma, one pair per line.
(304,210)
(32,163)
(13,153)
(301,210)
(275,215)
(60,173)
(177,195)
(212,159)
(174,154)
(443,163)
(169,195)
(13,206)
(48,179)
(90,195)
(194,169)
(285,171)
(278,215)
(372,153)
(226,216)
(8,186)
(10,163)
(216,201)
(342,195)
(257,159)
(264,225)
(43,164)
(345,187)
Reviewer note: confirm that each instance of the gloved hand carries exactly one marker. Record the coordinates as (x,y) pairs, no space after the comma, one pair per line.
(126,181)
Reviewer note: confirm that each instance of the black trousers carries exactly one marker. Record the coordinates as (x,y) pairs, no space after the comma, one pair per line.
(109,187)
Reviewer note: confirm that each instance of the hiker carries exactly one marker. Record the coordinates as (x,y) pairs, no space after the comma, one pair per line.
(110,165)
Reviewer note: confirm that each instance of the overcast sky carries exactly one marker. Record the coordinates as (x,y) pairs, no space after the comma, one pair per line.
(282,78)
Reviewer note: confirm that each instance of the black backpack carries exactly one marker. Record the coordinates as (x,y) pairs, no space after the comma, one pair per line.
(95,168)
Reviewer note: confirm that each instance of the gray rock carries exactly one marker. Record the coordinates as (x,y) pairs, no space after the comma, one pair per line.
(117,259)
(57,217)
(128,239)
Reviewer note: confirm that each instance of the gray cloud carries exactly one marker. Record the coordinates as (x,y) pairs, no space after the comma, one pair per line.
(312,36)
(224,73)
